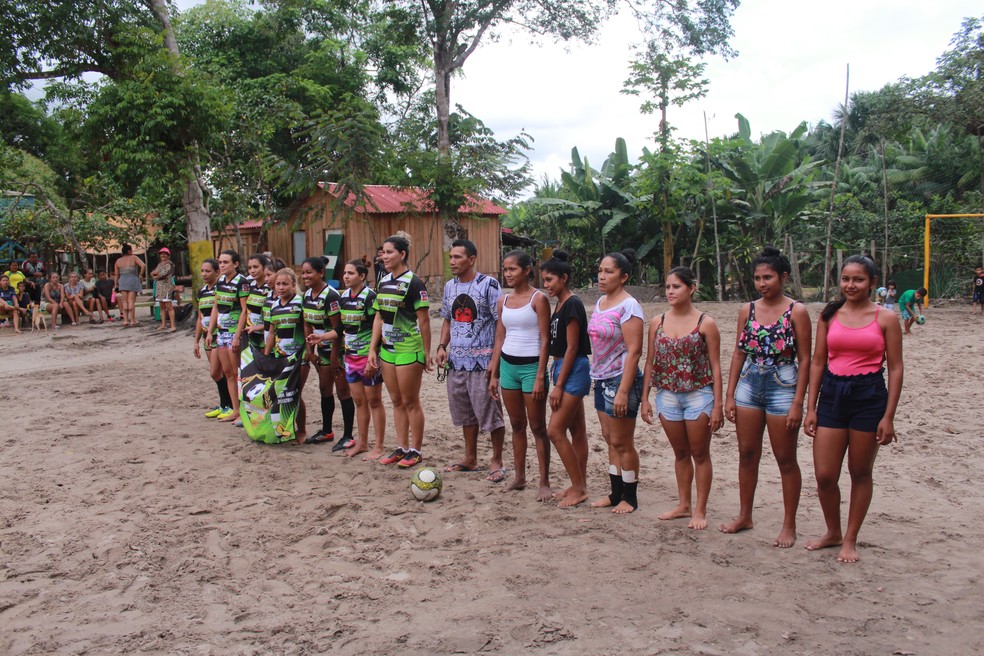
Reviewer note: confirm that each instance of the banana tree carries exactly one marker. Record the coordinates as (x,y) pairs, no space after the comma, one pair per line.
(596,201)
(773,180)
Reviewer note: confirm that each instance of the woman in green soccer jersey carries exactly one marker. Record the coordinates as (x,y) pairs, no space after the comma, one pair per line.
(206,299)
(226,324)
(259,293)
(323,329)
(285,335)
(402,327)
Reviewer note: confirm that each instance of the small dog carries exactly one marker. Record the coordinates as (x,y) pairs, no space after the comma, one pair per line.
(38,322)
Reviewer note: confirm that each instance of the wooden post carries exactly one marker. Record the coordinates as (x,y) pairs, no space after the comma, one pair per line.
(873,257)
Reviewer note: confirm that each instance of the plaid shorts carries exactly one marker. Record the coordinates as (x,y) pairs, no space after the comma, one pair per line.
(470,403)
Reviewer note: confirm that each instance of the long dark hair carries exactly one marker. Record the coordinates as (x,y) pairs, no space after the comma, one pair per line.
(831,308)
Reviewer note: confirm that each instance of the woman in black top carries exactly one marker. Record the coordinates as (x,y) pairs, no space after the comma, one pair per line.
(570,348)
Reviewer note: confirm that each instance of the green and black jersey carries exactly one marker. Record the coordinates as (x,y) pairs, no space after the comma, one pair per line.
(255,302)
(397,301)
(206,300)
(227,295)
(357,317)
(318,311)
(287,322)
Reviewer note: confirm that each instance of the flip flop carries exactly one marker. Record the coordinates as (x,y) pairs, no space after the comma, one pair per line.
(497,475)
(460,467)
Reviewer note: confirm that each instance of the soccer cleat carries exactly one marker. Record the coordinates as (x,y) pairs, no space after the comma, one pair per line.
(320,438)
(225,414)
(214,412)
(396,456)
(412,458)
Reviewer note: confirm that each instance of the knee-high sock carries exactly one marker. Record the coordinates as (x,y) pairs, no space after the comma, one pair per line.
(327,412)
(348,416)
(225,401)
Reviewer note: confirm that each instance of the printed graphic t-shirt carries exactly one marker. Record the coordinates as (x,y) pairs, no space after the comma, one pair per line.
(397,301)
(471,309)
(227,295)
(318,311)
(607,341)
(287,320)
(572,309)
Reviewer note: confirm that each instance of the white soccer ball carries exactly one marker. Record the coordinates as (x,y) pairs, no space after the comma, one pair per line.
(426,484)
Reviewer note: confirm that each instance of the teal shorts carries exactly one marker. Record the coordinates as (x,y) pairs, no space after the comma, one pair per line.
(518,376)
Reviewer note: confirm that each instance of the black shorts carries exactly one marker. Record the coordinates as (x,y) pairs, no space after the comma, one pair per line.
(854,402)
(979,296)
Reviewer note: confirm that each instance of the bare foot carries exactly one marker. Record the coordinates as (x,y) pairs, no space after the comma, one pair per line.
(517,484)
(17,332)
(698,522)
(848,554)
(544,493)
(786,538)
(737,525)
(676,513)
(233,417)
(299,438)
(375,454)
(826,540)
(623,508)
(563,493)
(573,499)
(356,449)
(603,502)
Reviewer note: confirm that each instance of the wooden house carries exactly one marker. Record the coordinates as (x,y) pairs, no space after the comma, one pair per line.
(323,222)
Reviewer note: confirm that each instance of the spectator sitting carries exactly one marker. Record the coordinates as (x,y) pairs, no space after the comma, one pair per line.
(8,304)
(103,295)
(89,294)
(74,302)
(34,269)
(15,275)
(54,296)
(24,303)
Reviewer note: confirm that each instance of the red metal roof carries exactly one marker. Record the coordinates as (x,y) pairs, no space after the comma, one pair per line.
(386,199)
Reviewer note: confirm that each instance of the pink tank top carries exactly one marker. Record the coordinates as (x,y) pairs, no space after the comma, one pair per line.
(854,351)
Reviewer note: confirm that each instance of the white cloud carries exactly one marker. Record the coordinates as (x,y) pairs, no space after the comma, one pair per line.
(790,68)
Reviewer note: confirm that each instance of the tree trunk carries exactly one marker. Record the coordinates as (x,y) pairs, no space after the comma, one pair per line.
(714,218)
(794,266)
(193,200)
(833,190)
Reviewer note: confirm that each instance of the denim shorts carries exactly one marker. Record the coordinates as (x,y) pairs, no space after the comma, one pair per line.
(853,402)
(906,315)
(579,381)
(518,376)
(605,391)
(767,387)
(689,406)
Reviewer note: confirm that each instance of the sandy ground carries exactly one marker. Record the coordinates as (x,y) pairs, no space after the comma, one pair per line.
(131,524)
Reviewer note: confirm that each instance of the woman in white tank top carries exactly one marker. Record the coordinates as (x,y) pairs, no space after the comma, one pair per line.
(519,365)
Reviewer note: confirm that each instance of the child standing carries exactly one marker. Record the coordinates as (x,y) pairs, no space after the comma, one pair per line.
(684,365)
(850,410)
(910,302)
(978,300)
(891,296)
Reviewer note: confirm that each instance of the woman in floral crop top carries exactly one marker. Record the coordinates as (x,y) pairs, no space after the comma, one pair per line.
(769,372)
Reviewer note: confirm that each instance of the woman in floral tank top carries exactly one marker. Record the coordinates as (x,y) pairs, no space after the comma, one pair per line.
(766,387)
(683,363)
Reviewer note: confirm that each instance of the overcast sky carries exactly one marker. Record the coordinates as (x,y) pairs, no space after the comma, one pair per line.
(790,68)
